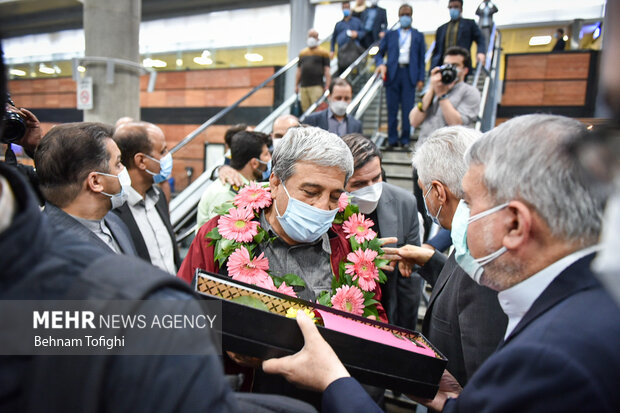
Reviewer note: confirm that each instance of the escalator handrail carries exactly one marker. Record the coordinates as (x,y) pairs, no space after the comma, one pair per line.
(488,58)
(492,77)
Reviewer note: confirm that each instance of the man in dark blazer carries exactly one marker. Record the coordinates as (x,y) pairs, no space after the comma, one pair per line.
(457,32)
(375,23)
(335,119)
(81,177)
(394,212)
(463,319)
(534,240)
(402,75)
(144,153)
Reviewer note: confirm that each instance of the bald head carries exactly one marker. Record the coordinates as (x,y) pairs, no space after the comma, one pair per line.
(282,124)
(138,137)
(123,121)
(313,33)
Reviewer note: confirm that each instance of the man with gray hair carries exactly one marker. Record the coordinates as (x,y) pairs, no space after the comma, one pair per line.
(310,168)
(463,319)
(528,229)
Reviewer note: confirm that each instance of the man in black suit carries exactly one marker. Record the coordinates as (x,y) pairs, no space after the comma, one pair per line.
(335,119)
(529,229)
(463,319)
(82,178)
(395,214)
(457,32)
(145,155)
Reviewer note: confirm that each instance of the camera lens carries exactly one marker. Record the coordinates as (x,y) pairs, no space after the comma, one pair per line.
(448,74)
(14,128)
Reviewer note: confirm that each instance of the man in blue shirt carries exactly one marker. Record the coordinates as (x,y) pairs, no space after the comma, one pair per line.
(349,29)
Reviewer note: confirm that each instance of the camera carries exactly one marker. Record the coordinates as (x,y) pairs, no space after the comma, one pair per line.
(14,125)
(448,72)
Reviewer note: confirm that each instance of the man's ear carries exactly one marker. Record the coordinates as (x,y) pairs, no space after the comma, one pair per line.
(274,185)
(519,222)
(441,192)
(138,161)
(94,182)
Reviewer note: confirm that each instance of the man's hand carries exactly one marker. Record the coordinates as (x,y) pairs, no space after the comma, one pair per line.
(230,176)
(382,70)
(481,57)
(408,256)
(449,388)
(33,134)
(353,34)
(297,88)
(439,88)
(315,367)
(331,55)
(420,85)
(390,257)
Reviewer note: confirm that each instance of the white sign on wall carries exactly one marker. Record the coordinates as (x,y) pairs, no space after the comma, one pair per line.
(85,93)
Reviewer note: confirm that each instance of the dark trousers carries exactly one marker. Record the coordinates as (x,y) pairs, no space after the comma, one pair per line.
(400,92)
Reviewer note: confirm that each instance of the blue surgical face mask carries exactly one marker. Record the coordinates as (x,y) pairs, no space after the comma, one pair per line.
(303,222)
(434,218)
(119,198)
(405,21)
(346,12)
(266,172)
(454,13)
(461,220)
(165,168)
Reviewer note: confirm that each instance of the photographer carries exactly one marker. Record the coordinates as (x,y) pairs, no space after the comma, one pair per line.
(21,127)
(449,100)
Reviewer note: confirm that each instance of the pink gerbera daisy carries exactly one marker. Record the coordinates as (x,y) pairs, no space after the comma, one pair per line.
(359,227)
(343,201)
(363,268)
(249,270)
(349,299)
(238,225)
(253,196)
(286,289)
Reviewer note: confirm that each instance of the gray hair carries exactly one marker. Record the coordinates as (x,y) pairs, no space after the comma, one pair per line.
(440,157)
(314,145)
(526,159)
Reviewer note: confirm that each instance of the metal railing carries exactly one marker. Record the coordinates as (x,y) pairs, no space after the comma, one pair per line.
(490,90)
(488,57)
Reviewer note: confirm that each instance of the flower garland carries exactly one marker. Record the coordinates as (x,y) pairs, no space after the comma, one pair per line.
(238,232)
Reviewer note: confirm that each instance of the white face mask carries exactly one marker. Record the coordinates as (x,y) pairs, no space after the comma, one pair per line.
(373,3)
(367,198)
(339,107)
(312,42)
(119,198)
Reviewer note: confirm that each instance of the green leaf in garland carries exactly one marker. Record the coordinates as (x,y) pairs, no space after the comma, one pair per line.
(277,281)
(354,244)
(380,263)
(250,302)
(294,280)
(370,301)
(382,277)
(214,234)
(325,298)
(258,238)
(371,310)
(223,208)
(375,245)
(339,219)
(228,246)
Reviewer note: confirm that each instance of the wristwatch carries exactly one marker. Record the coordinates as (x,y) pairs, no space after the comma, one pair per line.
(442,97)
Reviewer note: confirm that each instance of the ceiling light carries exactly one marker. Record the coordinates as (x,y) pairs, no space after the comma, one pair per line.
(46,69)
(540,40)
(201,60)
(206,53)
(179,62)
(148,62)
(81,69)
(253,57)
(17,72)
(57,69)
(373,50)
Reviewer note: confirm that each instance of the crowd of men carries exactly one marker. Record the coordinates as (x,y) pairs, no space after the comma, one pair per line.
(516,306)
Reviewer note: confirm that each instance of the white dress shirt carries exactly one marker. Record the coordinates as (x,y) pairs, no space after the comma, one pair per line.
(517,300)
(404,44)
(152,228)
